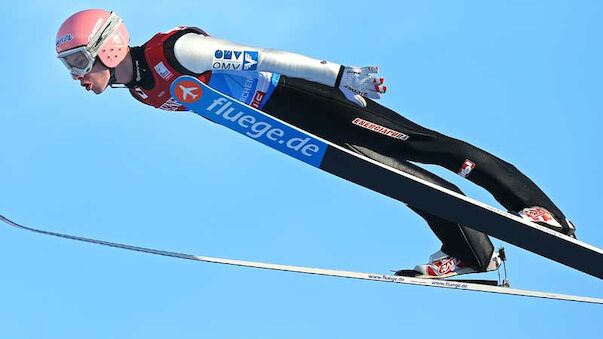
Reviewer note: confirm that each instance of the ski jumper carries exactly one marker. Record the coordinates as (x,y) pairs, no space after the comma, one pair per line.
(300,91)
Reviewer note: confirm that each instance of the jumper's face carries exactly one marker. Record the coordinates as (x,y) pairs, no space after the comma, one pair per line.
(96,80)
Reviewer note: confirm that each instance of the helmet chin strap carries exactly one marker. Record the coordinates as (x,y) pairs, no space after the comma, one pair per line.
(113,81)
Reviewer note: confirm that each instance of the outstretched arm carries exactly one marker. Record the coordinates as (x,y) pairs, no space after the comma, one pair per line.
(200,53)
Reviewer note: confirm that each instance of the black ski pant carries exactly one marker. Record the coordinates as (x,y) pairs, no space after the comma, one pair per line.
(325,112)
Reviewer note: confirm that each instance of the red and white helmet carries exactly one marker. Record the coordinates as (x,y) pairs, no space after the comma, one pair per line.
(89,34)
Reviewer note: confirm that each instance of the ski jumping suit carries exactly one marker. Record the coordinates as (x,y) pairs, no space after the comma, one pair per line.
(307,102)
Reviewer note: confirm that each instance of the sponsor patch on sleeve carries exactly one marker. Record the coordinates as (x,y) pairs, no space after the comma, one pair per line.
(235,60)
(466,169)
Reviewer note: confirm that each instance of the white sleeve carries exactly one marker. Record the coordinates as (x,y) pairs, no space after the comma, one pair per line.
(199,53)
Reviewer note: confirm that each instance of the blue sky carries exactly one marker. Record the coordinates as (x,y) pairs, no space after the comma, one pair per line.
(521,79)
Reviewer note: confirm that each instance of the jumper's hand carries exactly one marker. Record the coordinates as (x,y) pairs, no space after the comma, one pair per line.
(357,83)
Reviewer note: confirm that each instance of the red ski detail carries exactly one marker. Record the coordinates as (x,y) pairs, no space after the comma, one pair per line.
(444,266)
(538,214)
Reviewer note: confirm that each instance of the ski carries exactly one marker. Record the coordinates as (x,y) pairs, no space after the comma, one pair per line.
(476,286)
(320,153)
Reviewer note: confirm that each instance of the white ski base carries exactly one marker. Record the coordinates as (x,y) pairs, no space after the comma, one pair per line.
(325,272)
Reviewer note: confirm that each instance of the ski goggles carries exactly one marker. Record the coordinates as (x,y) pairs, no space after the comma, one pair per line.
(80,60)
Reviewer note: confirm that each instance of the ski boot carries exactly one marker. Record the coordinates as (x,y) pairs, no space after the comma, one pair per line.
(543,217)
(442,265)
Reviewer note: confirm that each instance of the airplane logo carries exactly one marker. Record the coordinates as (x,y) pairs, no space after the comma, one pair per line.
(187,91)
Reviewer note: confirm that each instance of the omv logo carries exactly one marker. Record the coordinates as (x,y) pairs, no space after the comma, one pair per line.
(235,60)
